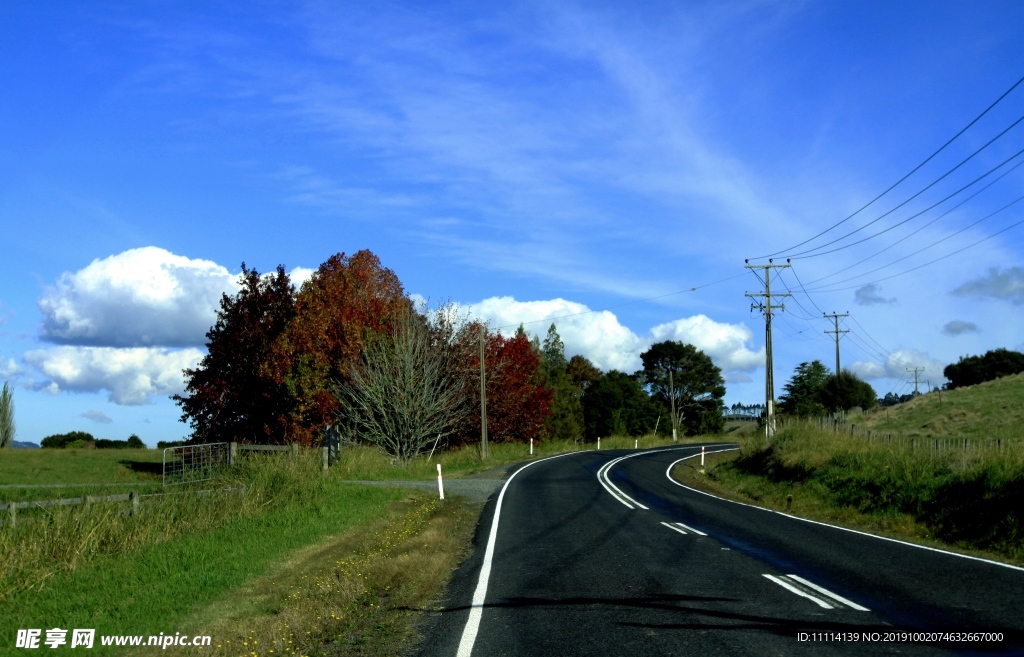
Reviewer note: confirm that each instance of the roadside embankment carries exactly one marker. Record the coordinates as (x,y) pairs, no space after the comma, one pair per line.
(968,501)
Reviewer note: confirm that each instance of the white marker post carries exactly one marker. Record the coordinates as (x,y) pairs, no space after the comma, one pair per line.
(636,443)
(440,484)
(701,458)
(599,442)
(531,446)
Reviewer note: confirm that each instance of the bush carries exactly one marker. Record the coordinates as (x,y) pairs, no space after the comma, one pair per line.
(64,440)
(972,370)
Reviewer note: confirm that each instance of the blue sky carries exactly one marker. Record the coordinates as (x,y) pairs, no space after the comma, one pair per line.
(526,160)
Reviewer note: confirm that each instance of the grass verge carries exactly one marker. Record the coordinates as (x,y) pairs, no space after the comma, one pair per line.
(970,503)
(370,464)
(357,593)
(144,574)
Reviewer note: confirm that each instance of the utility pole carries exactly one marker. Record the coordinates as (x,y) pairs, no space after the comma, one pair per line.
(767,308)
(483,399)
(672,401)
(915,370)
(835,318)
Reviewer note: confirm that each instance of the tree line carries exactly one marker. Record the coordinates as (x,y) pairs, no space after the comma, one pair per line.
(349,350)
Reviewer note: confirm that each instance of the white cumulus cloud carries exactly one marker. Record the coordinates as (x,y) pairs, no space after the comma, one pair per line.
(129,375)
(141,297)
(609,345)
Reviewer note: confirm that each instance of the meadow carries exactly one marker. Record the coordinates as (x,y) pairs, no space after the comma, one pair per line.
(301,563)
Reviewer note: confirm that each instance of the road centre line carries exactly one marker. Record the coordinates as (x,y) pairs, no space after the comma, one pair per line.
(668,475)
(786,585)
(602,478)
(695,531)
(674,528)
(477,606)
(614,491)
(823,590)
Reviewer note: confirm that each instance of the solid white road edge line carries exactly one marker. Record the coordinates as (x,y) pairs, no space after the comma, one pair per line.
(824,591)
(675,529)
(477,607)
(789,587)
(668,474)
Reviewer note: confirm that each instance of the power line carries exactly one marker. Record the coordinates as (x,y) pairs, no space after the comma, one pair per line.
(932,262)
(918,230)
(898,182)
(802,255)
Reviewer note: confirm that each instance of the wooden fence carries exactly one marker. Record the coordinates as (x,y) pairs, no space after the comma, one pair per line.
(133,497)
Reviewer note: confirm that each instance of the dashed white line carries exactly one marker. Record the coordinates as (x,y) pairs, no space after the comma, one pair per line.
(834,596)
(668,475)
(786,585)
(674,528)
(695,531)
(809,590)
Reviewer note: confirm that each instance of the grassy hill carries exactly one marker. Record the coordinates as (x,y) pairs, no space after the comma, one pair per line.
(994,409)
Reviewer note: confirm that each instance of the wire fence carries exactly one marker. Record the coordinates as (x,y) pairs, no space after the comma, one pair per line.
(840,425)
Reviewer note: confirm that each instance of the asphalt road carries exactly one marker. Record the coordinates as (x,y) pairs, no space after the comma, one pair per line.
(639,565)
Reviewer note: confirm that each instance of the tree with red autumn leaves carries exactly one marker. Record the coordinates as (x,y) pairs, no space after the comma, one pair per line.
(345,300)
(230,394)
(276,359)
(274,354)
(518,402)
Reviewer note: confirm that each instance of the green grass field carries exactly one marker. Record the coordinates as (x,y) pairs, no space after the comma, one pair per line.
(80,466)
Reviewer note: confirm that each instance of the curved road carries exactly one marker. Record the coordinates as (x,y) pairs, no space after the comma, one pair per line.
(594,554)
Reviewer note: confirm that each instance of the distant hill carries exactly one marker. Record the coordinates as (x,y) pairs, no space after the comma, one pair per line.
(21,444)
(994,409)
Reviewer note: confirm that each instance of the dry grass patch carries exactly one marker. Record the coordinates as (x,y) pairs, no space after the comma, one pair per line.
(357,593)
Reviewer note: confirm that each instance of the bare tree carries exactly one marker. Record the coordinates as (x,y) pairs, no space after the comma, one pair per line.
(407,388)
(6,417)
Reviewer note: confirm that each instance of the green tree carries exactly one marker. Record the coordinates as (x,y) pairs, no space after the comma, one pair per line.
(7,427)
(566,405)
(845,391)
(582,372)
(802,395)
(134,442)
(697,385)
(63,440)
(972,370)
(616,404)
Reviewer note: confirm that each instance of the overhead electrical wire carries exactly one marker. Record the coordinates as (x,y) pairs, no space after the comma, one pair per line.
(828,288)
(901,180)
(918,230)
(802,256)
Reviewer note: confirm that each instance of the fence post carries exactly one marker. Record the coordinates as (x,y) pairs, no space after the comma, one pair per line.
(134,498)
(14,513)
(89,499)
(326,457)
(232,454)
